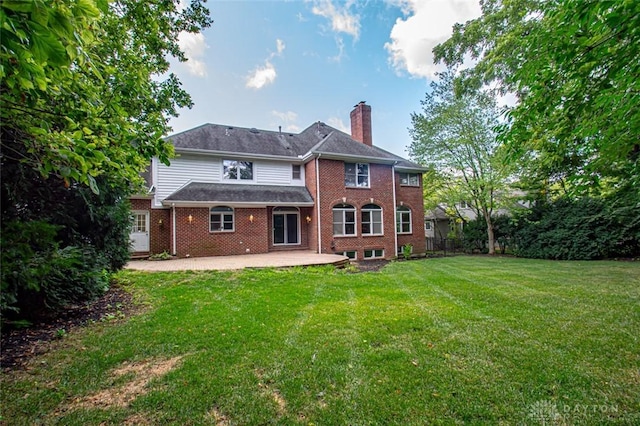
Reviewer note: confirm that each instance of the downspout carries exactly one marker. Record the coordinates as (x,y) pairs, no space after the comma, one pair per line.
(173,240)
(318,204)
(395,208)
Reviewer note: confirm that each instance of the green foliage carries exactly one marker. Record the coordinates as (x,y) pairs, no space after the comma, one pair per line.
(160,256)
(587,228)
(474,235)
(454,136)
(39,277)
(85,88)
(86,99)
(573,66)
(407,249)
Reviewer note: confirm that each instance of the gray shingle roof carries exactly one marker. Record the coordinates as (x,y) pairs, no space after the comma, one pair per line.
(224,193)
(319,138)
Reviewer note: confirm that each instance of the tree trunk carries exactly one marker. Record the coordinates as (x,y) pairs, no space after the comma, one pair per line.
(490,235)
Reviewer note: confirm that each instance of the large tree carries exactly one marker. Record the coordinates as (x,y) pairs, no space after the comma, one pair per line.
(454,135)
(86,97)
(574,67)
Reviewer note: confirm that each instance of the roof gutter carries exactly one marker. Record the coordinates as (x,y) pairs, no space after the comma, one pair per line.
(237,204)
(237,154)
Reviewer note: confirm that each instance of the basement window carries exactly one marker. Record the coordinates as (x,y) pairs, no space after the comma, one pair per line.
(374,253)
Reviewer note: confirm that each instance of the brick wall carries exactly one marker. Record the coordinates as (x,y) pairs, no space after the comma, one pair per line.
(194,238)
(159,226)
(412,197)
(332,192)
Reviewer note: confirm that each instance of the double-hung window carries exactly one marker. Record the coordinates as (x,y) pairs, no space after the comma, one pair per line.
(403,220)
(371,220)
(344,220)
(222,219)
(409,179)
(295,172)
(237,170)
(356,175)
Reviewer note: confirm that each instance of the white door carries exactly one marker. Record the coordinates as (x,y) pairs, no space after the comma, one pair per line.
(140,231)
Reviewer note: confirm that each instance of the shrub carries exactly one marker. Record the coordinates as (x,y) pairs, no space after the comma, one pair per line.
(581,229)
(39,277)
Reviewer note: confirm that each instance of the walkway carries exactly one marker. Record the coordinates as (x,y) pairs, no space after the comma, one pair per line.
(266,260)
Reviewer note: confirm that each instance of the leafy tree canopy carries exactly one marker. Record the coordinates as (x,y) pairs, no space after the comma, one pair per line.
(84,84)
(454,136)
(574,66)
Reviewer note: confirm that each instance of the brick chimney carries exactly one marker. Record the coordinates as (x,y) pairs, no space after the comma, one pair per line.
(361,123)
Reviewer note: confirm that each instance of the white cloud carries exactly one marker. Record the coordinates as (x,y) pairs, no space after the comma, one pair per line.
(338,124)
(342,20)
(426,24)
(193,46)
(267,74)
(261,76)
(287,118)
(340,55)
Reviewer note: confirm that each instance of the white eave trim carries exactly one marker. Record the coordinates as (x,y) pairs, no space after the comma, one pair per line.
(354,158)
(235,204)
(233,155)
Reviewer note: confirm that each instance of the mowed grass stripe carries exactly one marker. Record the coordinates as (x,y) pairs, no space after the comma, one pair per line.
(467,340)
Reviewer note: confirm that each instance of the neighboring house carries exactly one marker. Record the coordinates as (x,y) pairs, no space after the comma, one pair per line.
(437,223)
(233,190)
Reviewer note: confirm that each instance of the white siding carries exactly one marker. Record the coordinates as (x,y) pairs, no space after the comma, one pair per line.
(184,169)
(275,173)
(194,168)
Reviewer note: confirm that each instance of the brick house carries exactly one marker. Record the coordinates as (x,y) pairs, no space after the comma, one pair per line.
(233,191)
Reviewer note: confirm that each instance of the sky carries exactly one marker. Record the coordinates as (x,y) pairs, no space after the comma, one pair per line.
(266,64)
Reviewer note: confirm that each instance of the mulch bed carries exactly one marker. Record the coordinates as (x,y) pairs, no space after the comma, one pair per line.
(18,345)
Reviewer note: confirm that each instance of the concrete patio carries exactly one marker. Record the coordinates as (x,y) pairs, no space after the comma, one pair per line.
(275,260)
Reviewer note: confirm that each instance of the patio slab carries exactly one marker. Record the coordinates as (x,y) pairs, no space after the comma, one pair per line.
(220,263)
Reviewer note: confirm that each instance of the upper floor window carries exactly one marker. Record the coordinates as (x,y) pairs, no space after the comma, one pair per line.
(403,220)
(222,219)
(295,172)
(371,222)
(409,179)
(344,219)
(464,205)
(237,170)
(356,175)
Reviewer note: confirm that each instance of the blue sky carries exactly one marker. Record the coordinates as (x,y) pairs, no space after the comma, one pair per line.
(266,64)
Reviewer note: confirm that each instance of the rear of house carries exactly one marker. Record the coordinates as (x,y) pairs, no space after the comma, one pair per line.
(233,191)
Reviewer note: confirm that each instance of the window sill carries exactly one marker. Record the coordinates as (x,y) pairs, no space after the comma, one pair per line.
(357,187)
(405,233)
(222,232)
(345,236)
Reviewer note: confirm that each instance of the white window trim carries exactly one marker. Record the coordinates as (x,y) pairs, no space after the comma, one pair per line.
(355,254)
(238,179)
(344,222)
(274,212)
(417,184)
(372,234)
(222,230)
(399,228)
(356,171)
(373,254)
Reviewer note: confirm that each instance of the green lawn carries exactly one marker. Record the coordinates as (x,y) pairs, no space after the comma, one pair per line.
(458,340)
